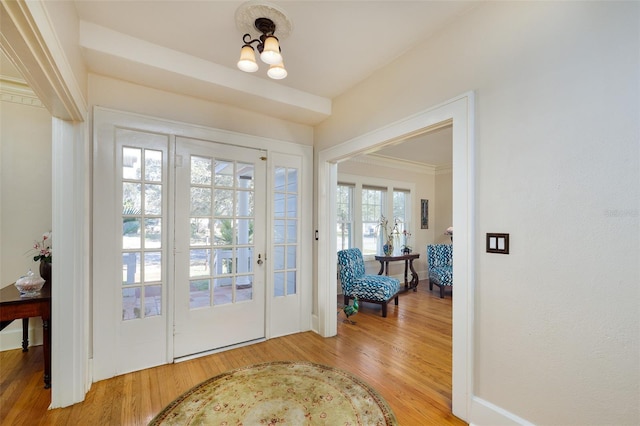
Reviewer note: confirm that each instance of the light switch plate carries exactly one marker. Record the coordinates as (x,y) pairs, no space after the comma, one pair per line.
(497,243)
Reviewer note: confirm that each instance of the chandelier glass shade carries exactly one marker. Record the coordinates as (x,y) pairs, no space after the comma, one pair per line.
(247,62)
(277,71)
(268,47)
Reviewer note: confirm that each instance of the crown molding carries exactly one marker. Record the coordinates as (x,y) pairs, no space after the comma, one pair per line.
(405,165)
(444,169)
(30,42)
(17,91)
(396,163)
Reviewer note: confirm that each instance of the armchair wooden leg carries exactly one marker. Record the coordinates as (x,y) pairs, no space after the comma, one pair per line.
(441,292)
(396,301)
(384,310)
(430,285)
(346,300)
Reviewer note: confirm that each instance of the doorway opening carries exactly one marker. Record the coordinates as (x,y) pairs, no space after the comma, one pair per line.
(459,112)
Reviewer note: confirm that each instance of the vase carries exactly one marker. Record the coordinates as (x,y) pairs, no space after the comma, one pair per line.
(45,270)
(388,248)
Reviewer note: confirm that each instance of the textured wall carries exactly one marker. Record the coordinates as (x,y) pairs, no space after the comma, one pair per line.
(557,322)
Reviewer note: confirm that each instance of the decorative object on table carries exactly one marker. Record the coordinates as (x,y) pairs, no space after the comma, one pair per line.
(29,285)
(406,249)
(350,310)
(388,236)
(45,270)
(44,254)
(367,288)
(282,392)
(394,237)
(388,248)
(383,241)
(424,214)
(449,232)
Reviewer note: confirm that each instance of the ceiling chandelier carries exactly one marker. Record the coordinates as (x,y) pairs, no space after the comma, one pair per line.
(265,18)
(268,47)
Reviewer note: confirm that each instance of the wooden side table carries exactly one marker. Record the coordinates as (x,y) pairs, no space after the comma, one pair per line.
(13,307)
(408,266)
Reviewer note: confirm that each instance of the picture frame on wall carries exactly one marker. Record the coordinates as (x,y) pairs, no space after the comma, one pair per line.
(424,214)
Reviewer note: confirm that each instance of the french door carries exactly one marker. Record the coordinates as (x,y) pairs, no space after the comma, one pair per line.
(219,249)
(197,245)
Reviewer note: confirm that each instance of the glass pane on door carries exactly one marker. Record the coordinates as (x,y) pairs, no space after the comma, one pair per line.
(222,223)
(142,234)
(285,231)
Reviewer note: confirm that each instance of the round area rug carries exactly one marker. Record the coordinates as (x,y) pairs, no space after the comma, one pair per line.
(274,393)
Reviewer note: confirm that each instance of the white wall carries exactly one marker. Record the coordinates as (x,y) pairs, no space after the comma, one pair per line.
(442,206)
(25,192)
(557,321)
(120,95)
(25,195)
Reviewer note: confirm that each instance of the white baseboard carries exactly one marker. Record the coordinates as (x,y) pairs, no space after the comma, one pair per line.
(484,413)
(11,337)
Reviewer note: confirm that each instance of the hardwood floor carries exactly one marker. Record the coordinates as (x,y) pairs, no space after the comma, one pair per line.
(406,357)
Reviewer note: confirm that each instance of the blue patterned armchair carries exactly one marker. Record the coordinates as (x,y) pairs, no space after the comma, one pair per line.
(440,261)
(378,289)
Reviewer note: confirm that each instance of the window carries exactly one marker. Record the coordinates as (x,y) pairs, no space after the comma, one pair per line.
(360,203)
(344,219)
(400,208)
(372,209)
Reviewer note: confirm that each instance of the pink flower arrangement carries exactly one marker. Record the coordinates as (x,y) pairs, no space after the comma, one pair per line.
(43,248)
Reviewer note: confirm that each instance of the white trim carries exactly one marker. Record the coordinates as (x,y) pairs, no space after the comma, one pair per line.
(177,66)
(485,413)
(104,119)
(443,170)
(217,351)
(69,292)
(195,131)
(460,111)
(18,92)
(41,59)
(30,42)
(395,163)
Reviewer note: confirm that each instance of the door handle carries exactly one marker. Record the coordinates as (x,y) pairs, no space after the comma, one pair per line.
(259,259)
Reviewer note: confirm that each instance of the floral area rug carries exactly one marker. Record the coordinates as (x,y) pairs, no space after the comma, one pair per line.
(279,393)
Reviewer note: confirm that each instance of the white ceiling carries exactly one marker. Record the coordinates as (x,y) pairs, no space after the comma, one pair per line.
(192,47)
(333,45)
(433,149)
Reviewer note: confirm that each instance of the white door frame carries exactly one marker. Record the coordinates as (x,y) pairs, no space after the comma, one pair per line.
(460,112)
(103,365)
(29,39)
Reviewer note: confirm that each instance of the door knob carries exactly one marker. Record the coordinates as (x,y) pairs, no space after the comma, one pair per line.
(259,260)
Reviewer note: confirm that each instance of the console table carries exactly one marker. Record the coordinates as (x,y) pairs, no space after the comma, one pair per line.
(13,307)
(408,265)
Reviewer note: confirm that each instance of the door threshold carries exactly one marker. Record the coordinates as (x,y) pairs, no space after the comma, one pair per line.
(217,350)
